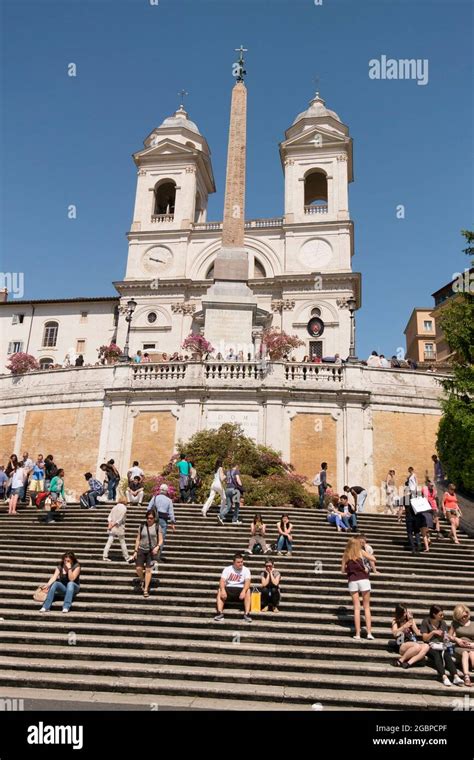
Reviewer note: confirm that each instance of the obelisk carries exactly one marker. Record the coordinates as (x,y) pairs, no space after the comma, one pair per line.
(229,305)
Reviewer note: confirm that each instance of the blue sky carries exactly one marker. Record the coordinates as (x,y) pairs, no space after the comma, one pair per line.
(69,140)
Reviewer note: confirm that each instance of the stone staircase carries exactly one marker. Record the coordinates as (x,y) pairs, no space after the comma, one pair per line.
(167,652)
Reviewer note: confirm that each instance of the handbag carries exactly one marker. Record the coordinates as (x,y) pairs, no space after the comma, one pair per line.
(420,504)
(438,646)
(40,595)
(255,600)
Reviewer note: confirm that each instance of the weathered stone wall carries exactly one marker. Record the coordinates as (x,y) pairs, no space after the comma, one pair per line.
(7,442)
(153,440)
(313,440)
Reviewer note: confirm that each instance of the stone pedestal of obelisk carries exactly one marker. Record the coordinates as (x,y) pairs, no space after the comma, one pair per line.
(229,304)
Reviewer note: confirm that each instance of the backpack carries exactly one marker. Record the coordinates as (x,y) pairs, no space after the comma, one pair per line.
(317,479)
(257,549)
(97,487)
(41,498)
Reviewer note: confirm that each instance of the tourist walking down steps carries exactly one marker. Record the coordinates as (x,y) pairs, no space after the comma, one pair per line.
(116,529)
(163,506)
(217,488)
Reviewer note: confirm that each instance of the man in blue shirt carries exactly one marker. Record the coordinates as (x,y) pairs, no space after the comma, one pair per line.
(184,468)
(165,512)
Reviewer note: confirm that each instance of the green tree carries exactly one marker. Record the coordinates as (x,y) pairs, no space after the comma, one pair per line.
(267,479)
(455,442)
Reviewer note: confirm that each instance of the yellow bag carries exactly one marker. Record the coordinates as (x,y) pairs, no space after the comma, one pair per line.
(255,601)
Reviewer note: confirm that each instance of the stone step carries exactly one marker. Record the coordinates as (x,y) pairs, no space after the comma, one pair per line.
(366,692)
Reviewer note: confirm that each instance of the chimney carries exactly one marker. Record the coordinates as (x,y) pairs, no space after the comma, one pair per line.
(3,295)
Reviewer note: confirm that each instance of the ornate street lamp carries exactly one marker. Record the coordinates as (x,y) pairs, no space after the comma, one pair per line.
(128,311)
(351,305)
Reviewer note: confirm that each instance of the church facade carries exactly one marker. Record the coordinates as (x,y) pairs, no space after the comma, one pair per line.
(298,272)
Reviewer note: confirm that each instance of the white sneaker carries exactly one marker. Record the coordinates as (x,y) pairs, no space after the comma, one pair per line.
(457,681)
(64,609)
(369,636)
(106,559)
(357,638)
(43,609)
(446,681)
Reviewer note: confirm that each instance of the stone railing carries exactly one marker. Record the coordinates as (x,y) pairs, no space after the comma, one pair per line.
(162,218)
(316,209)
(311,373)
(234,370)
(249,224)
(162,371)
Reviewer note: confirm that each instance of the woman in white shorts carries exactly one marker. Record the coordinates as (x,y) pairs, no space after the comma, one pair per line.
(217,487)
(353,567)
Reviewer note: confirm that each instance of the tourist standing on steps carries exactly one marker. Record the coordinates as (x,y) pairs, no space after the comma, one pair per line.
(452,511)
(13,464)
(413,526)
(232,492)
(163,506)
(359,495)
(257,535)
(28,464)
(217,488)
(435,633)
(234,586)
(411,484)
(3,482)
(411,647)
(270,587)
(65,581)
(322,483)
(183,468)
(116,529)
(430,494)
(50,470)
(193,482)
(438,469)
(285,536)
(390,493)
(56,487)
(353,567)
(462,633)
(147,545)
(368,549)
(135,491)
(19,476)
(37,477)
(113,478)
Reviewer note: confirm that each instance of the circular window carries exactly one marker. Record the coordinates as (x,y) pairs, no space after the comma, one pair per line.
(316,312)
(152,317)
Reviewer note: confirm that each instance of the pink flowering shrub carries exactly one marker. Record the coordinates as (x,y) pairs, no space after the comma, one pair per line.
(197,344)
(279,344)
(21,363)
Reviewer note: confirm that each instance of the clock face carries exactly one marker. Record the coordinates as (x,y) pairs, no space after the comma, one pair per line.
(315,255)
(157,259)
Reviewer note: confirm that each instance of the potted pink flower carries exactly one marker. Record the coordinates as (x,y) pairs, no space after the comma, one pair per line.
(110,353)
(198,345)
(21,363)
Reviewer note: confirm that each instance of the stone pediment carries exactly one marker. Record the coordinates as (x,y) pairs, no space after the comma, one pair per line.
(164,146)
(315,137)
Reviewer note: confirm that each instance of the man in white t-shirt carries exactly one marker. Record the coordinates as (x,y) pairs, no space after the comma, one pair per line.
(234,586)
(135,472)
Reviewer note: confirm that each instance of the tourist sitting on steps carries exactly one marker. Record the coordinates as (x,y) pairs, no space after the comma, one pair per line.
(435,633)
(90,498)
(217,488)
(135,491)
(64,582)
(234,586)
(408,637)
(462,633)
(347,512)
(270,587)
(353,567)
(116,529)
(285,536)
(335,518)
(257,535)
(148,542)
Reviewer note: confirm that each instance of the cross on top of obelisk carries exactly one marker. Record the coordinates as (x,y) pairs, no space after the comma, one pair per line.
(239,71)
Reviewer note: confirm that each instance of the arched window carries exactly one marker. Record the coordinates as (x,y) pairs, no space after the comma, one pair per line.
(258,270)
(45,363)
(316,312)
(316,188)
(50,335)
(165,196)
